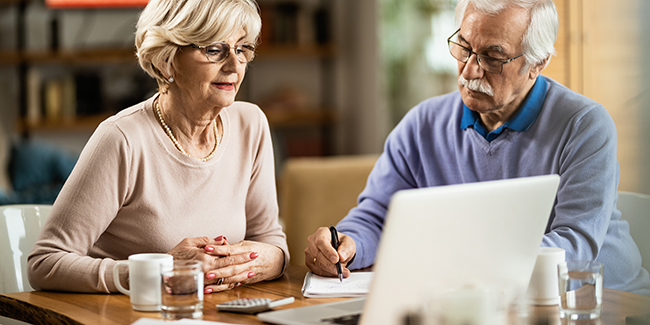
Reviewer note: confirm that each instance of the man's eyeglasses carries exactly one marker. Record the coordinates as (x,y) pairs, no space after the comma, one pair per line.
(219,51)
(487,63)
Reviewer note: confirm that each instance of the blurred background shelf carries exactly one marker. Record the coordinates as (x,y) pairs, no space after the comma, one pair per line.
(127,55)
(84,123)
(98,55)
(277,120)
(266,52)
(77,66)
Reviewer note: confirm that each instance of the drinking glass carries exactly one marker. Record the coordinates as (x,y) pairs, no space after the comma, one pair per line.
(581,289)
(182,290)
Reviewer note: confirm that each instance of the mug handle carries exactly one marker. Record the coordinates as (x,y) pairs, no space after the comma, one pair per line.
(116,277)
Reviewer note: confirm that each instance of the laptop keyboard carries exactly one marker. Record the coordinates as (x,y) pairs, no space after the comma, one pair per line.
(352,319)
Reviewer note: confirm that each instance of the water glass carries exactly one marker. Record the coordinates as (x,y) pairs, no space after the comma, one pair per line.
(182,290)
(581,289)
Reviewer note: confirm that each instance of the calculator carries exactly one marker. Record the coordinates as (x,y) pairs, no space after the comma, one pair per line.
(252,305)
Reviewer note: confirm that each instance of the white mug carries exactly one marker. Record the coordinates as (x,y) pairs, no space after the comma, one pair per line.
(543,286)
(144,279)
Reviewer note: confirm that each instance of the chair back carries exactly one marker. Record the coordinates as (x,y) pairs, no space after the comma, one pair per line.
(635,208)
(19,228)
(317,192)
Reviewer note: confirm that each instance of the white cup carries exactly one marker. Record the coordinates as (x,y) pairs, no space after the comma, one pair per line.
(144,279)
(543,286)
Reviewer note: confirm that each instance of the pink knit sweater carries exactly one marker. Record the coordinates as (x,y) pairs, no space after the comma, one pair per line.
(132,191)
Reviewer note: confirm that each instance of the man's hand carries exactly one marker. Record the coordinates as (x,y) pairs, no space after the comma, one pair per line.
(320,256)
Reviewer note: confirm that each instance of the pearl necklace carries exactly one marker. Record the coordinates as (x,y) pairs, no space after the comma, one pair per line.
(178,145)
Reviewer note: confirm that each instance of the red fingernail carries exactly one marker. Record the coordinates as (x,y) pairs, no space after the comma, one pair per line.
(251,274)
(207,290)
(211,276)
(209,248)
(254,255)
(218,238)
(238,284)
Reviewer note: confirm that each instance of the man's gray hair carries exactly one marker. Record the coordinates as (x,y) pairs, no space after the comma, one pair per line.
(541,34)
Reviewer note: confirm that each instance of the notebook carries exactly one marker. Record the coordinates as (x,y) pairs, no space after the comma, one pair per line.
(440,238)
(356,285)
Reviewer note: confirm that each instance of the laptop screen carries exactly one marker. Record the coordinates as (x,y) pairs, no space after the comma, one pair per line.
(447,238)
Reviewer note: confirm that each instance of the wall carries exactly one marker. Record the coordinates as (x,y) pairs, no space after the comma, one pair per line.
(643,68)
(364,117)
(600,55)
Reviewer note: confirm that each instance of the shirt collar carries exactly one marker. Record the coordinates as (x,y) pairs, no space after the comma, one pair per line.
(522,120)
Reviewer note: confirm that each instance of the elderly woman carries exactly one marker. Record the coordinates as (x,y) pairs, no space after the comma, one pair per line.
(189,171)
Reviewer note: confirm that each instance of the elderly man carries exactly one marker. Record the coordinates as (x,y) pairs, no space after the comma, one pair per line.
(505,121)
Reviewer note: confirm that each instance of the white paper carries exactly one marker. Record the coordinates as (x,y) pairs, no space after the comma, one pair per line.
(356,285)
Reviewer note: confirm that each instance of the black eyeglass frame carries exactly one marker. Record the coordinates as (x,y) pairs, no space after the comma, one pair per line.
(478,55)
(250,47)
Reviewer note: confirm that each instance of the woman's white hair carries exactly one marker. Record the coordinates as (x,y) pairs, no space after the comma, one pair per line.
(539,39)
(164,26)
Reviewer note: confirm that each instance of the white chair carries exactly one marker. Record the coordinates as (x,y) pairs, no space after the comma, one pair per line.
(19,228)
(635,208)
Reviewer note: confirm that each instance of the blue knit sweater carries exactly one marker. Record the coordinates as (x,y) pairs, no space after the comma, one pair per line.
(572,136)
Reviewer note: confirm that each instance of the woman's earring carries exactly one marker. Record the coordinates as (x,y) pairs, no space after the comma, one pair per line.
(171,79)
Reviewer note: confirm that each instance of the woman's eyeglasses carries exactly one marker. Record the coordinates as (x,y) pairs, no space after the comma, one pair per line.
(219,51)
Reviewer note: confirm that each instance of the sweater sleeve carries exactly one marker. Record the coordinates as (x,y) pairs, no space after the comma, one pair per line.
(589,179)
(261,201)
(86,205)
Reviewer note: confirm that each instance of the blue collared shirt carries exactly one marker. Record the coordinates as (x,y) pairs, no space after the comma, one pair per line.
(520,122)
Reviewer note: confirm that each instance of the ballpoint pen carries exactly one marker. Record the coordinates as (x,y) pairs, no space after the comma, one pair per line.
(335,244)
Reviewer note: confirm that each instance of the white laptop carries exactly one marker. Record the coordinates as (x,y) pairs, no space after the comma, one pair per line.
(444,238)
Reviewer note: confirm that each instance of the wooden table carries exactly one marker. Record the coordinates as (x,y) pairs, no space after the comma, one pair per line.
(40,307)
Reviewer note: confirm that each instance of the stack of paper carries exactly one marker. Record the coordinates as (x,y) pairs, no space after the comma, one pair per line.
(356,285)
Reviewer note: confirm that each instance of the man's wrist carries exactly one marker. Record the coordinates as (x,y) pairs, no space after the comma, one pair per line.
(351,260)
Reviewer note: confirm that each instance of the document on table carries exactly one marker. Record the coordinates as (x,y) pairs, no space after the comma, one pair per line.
(356,285)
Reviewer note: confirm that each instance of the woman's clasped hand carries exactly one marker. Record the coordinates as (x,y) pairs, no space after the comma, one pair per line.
(226,265)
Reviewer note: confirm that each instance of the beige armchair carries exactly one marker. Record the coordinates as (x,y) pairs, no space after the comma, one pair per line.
(316,192)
